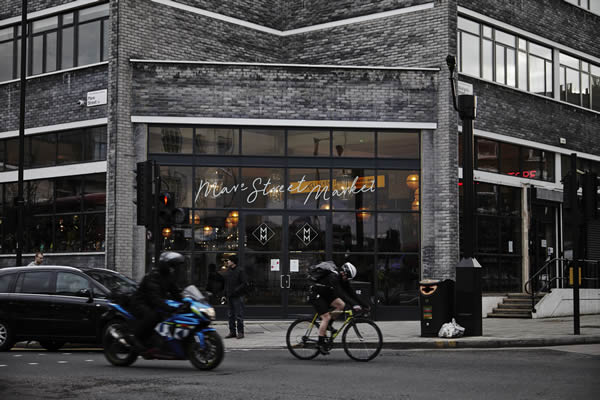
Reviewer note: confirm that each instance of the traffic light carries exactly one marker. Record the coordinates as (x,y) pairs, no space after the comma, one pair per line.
(590,195)
(144,200)
(168,214)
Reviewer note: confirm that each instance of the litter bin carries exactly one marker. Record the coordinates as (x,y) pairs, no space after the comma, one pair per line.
(362,291)
(436,300)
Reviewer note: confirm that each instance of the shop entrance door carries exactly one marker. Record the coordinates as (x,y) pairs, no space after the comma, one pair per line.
(277,249)
(543,240)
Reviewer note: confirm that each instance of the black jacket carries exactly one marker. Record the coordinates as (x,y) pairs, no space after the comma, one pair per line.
(236,282)
(155,289)
(341,288)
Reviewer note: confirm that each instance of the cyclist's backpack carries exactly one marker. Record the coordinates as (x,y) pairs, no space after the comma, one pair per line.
(319,271)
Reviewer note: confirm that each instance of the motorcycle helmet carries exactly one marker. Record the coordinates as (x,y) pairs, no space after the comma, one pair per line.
(169,261)
(349,270)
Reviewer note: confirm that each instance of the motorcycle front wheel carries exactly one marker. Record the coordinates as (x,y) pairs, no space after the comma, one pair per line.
(209,356)
(115,351)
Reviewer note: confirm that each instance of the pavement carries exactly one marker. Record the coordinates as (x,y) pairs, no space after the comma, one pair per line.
(497,333)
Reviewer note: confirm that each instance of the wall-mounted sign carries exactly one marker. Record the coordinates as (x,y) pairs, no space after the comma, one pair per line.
(96,98)
(525,174)
(464,88)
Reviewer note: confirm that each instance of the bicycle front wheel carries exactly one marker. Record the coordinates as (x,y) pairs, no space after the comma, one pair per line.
(302,338)
(362,339)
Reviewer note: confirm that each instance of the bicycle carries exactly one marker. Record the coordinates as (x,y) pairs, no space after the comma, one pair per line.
(361,337)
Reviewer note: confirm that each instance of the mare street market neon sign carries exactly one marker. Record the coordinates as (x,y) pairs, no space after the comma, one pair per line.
(317,189)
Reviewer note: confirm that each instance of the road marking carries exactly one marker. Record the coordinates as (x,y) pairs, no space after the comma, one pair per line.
(32,363)
(3,365)
(62,362)
(41,354)
(17,355)
(66,354)
(89,360)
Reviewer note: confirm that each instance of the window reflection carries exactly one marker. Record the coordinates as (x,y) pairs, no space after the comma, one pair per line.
(309,188)
(353,143)
(398,144)
(354,231)
(263,187)
(215,230)
(265,141)
(217,187)
(397,279)
(169,139)
(308,142)
(398,232)
(215,141)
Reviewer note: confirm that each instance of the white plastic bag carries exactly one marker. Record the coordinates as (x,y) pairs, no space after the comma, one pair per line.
(451,330)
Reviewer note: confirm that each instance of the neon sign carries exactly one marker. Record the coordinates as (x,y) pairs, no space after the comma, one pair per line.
(532,173)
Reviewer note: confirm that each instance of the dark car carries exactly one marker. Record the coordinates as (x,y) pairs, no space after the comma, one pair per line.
(52,305)
(112,280)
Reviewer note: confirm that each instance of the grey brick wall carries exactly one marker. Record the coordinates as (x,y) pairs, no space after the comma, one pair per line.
(285,93)
(552,19)
(52,99)
(514,113)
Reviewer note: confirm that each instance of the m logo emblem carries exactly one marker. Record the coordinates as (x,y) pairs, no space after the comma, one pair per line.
(306,234)
(263,233)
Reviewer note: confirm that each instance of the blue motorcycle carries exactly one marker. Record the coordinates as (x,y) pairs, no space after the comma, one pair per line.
(184,335)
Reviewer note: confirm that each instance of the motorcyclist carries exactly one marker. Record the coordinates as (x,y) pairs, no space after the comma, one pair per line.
(148,303)
(334,291)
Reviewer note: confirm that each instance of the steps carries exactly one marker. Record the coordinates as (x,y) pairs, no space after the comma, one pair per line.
(515,305)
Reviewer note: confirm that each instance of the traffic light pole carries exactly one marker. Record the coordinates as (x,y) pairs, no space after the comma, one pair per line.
(20,201)
(577,238)
(155,225)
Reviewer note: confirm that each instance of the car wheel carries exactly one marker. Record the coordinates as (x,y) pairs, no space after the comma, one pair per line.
(52,345)
(7,336)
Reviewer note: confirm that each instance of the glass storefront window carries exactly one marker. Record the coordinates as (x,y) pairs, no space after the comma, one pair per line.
(398,190)
(487,155)
(216,141)
(40,196)
(42,151)
(94,192)
(93,234)
(486,198)
(309,188)
(509,201)
(217,187)
(215,230)
(68,193)
(12,154)
(168,139)
(67,231)
(353,231)
(403,145)
(353,143)
(263,141)
(70,147)
(397,278)
(263,187)
(95,144)
(178,180)
(398,232)
(308,143)
(354,189)
(509,162)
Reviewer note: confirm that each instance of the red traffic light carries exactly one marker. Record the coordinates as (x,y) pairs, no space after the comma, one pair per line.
(166,199)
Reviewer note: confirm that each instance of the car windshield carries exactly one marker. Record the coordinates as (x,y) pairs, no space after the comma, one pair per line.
(192,292)
(114,282)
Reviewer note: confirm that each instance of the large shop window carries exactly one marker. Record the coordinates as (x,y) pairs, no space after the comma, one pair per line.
(57,148)
(494,55)
(64,214)
(514,160)
(62,41)
(498,236)
(365,182)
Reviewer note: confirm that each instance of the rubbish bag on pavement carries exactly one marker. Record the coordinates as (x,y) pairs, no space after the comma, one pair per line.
(451,330)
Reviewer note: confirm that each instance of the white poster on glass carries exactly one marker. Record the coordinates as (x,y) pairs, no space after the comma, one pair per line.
(274,264)
(294,265)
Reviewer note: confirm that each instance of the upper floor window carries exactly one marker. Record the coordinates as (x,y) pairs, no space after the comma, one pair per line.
(494,55)
(579,82)
(592,5)
(61,41)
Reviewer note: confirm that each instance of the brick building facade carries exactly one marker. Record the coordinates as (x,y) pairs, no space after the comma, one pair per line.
(241,89)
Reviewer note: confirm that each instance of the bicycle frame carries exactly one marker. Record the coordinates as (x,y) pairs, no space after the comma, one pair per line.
(349,317)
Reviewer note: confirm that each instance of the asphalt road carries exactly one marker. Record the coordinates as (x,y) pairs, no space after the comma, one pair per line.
(544,373)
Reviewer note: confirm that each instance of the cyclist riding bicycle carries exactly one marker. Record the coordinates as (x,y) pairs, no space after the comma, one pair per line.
(332,290)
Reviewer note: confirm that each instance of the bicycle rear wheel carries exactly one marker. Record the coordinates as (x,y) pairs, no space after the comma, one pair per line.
(362,339)
(302,338)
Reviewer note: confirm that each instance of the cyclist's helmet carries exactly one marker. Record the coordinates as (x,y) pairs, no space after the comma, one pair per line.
(349,270)
(169,261)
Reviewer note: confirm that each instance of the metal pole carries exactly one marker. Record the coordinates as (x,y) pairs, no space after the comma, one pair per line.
(20,202)
(577,237)
(156,231)
(468,185)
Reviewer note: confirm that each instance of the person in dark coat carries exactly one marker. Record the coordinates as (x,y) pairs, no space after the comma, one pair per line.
(236,284)
(148,303)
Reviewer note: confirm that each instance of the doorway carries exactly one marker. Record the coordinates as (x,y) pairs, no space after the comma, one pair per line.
(545,243)
(277,249)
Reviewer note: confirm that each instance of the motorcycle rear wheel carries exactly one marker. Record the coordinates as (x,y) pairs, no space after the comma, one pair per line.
(115,352)
(208,357)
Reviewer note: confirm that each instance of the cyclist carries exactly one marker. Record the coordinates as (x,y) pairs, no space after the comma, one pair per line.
(333,290)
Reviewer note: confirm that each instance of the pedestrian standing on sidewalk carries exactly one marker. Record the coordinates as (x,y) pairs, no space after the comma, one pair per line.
(236,284)
(38,260)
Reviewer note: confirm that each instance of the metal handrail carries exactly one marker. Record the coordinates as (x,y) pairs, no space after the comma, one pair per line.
(534,276)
